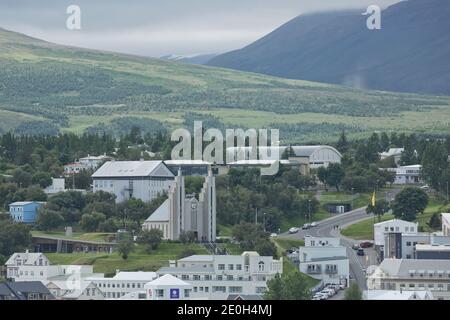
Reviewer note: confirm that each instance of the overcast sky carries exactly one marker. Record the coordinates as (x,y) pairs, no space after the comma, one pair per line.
(161,27)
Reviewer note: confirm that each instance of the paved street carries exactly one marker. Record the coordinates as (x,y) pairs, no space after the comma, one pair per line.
(326,229)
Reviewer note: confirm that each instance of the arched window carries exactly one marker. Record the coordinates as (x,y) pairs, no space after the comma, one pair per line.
(261,266)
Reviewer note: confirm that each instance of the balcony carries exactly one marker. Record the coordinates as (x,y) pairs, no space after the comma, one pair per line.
(331,271)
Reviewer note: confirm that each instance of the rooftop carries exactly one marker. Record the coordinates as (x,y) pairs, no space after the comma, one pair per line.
(398,295)
(132,169)
(404,267)
(167,280)
(161,214)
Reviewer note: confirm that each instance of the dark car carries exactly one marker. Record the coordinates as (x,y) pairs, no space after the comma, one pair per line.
(366,244)
(360,252)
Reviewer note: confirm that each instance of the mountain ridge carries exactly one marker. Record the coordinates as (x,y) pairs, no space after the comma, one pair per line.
(336,47)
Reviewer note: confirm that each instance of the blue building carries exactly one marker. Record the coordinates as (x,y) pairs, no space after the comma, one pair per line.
(24,211)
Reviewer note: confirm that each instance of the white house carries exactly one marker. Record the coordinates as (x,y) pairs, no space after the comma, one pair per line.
(396,153)
(74,168)
(93,162)
(325,259)
(407,174)
(58,185)
(143,180)
(27,266)
(216,276)
(412,275)
(397,295)
(80,290)
(168,287)
(122,283)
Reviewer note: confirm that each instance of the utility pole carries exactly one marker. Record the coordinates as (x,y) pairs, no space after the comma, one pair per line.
(352,199)
(309,210)
(264,216)
(256,216)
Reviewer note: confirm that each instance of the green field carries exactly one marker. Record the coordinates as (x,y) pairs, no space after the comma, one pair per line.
(48,87)
(364,230)
(137,260)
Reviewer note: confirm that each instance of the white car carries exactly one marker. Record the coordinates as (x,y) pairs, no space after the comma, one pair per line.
(294,230)
(320,296)
(272,235)
(314,224)
(330,291)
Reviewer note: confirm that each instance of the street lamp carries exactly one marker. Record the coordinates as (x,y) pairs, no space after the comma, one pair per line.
(264,221)
(352,198)
(309,210)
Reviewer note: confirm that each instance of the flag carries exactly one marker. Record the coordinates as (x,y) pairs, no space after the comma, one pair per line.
(374,199)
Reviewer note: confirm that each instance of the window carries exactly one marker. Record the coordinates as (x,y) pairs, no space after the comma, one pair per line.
(408,256)
(230,267)
(184,277)
(239,267)
(159,293)
(408,244)
(187,293)
(230,278)
(221,267)
(195,289)
(208,277)
(206,289)
(261,266)
(220,278)
(196,277)
(219,289)
(88,292)
(412,285)
(233,289)
(260,290)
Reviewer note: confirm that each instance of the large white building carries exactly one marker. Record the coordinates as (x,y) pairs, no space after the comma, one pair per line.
(122,283)
(216,276)
(144,180)
(407,174)
(412,275)
(325,259)
(397,295)
(182,213)
(401,239)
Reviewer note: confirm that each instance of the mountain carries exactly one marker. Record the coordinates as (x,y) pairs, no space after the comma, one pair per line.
(47,88)
(409,54)
(194,59)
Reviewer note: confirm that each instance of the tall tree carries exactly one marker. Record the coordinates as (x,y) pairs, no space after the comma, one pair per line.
(409,203)
(434,163)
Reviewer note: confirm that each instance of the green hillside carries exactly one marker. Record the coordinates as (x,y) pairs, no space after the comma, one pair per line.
(45,88)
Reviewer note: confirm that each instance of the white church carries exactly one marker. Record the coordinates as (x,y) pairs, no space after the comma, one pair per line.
(183,213)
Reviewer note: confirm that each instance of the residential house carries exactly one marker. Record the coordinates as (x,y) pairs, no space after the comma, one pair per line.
(58,185)
(325,259)
(25,211)
(407,174)
(30,290)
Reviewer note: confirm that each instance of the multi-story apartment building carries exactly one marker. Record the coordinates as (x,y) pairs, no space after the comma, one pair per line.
(215,277)
(324,259)
(412,275)
(144,180)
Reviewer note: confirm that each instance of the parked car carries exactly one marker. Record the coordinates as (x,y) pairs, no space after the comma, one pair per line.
(366,244)
(294,230)
(320,296)
(355,246)
(272,235)
(425,187)
(360,252)
(326,292)
(314,224)
(306,226)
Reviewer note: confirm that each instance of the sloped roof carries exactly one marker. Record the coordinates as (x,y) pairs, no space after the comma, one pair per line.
(307,151)
(198,257)
(397,295)
(130,169)
(139,275)
(160,214)
(28,257)
(167,279)
(403,267)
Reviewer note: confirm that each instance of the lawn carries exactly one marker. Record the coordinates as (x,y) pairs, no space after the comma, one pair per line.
(138,260)
(284,243)
(364,230)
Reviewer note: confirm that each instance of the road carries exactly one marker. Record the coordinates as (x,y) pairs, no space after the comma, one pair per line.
(326,228)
